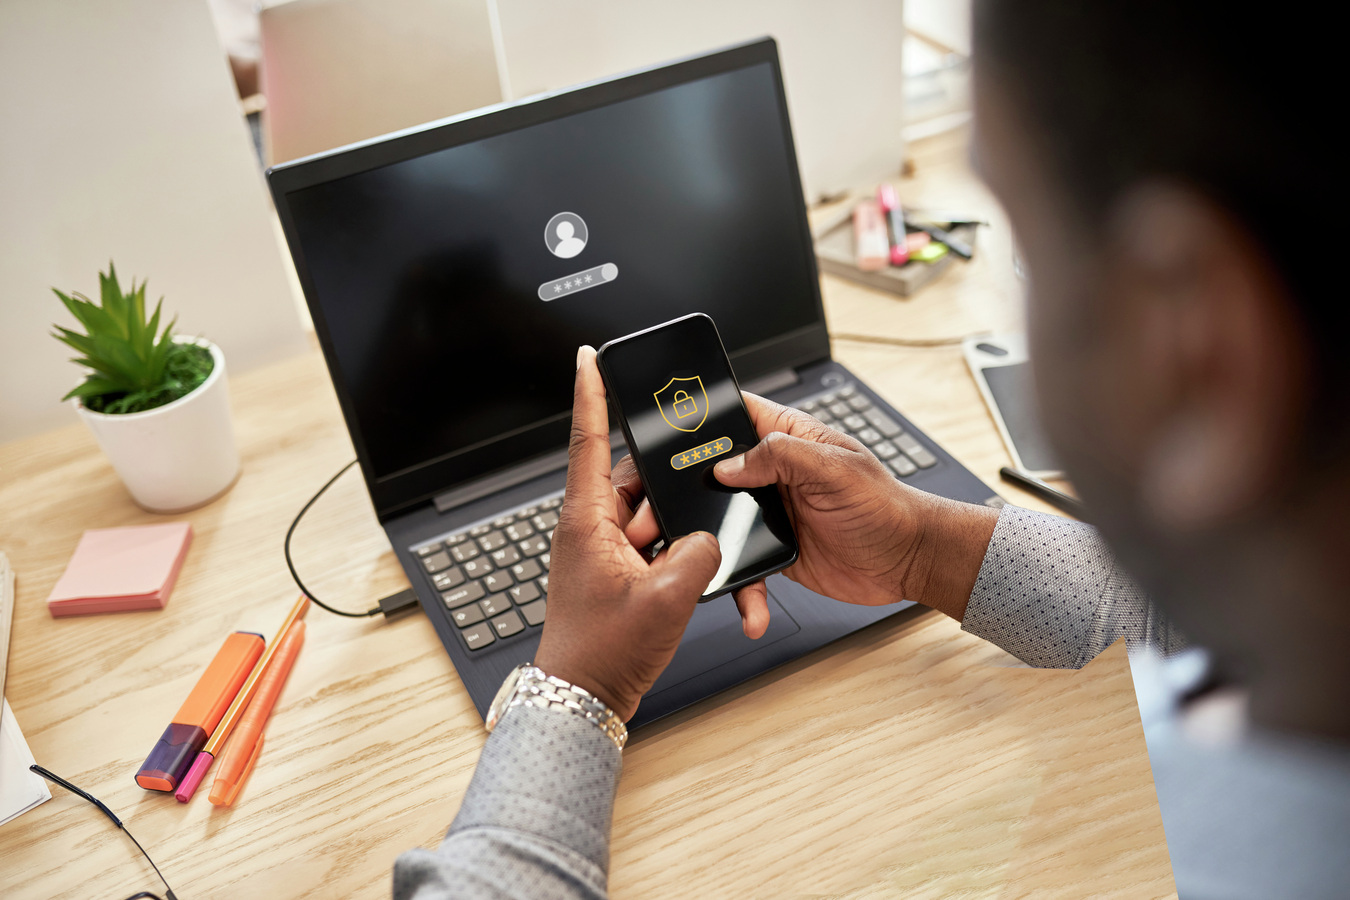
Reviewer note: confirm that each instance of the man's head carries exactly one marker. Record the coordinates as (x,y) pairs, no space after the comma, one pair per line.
(1166,177)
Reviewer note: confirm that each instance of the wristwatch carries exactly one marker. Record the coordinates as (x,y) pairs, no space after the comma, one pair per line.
(527,685)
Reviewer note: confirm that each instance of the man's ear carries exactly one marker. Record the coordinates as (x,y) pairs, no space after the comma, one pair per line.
(1221,349)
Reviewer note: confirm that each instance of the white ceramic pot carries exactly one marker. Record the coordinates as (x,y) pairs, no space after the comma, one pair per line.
(179,456)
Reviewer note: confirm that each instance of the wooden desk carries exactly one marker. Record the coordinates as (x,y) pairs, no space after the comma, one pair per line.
(907,760)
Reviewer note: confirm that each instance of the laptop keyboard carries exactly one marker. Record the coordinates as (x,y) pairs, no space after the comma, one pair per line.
(493,576)
(847,410)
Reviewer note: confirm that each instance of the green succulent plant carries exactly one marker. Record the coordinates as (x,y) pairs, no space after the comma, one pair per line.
(134,366)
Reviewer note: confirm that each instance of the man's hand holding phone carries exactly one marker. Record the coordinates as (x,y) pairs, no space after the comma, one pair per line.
(863,537)
(614,618)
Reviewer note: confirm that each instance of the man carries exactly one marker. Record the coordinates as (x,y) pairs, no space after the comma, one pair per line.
(1188,373)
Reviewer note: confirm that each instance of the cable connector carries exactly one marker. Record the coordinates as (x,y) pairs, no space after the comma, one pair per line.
(396,604)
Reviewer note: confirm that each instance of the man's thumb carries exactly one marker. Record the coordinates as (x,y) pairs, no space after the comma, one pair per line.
(777,459)
(690,562)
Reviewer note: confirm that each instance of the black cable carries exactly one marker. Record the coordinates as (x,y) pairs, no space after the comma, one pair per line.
(286,548)
(57,779)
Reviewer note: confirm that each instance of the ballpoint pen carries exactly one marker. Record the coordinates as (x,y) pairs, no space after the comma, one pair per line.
(1071,505)
(942,235)
(243,751)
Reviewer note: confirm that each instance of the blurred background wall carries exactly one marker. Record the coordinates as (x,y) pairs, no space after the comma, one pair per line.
(124,136)
(121,138)
(336,71)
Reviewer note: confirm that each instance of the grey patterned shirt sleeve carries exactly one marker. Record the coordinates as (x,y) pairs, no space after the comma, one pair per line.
(1051,593)
(535,820)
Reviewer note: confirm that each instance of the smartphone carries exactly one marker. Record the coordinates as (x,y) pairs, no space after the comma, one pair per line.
(681,411)
(1003,373)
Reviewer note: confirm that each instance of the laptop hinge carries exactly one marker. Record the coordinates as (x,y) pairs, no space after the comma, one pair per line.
(774,381)
(483,487)
(542,465)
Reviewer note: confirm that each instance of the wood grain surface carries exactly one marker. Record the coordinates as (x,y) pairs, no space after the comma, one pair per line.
(907,760)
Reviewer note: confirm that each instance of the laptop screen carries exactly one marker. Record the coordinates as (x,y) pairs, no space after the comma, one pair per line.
(452,288)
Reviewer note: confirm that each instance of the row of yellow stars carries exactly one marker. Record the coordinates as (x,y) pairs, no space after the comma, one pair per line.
(698,453)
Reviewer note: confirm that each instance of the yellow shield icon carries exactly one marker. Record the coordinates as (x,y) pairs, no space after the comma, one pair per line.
(683,403)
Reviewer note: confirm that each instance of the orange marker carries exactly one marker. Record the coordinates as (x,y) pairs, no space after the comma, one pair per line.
(243,751)
(200,713)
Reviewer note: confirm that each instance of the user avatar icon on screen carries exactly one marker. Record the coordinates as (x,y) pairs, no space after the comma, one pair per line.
(566,235)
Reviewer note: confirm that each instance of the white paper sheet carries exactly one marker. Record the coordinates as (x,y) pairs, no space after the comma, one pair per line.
(20,789)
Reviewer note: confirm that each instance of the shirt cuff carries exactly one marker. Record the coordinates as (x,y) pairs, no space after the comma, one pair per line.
(1039,586)
(547,774)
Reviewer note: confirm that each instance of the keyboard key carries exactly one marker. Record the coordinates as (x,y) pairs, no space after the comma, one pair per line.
(543,560)
(827,399)
(478,637)
(551,504)
(450,578)
(495,605)
(456,539)
(492,540)
(824,417)
(902,466)
(847,391)
(534,613)
(502,521)
(477,568)
(809,406)
(923,459)
(524,593)
(885,450)
(436,562)
(855,423)
(883,423)
(467,594)
(915,451)
(467,615)
(545,521)
(869,436)
(860,403)
(480,530)
(506,556)
(543,584)
(427,550)
(464,552)
(527,571)
(519,531)
(533,546)
(507,624)
(526,513)
(840,409)
(497,581)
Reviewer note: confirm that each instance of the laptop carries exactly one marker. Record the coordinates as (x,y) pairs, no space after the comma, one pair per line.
(453,269)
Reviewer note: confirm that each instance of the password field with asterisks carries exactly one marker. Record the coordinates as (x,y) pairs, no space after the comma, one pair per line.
(578,282)
(686,458)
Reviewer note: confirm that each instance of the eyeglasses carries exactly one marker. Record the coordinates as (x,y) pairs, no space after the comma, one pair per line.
(143,895)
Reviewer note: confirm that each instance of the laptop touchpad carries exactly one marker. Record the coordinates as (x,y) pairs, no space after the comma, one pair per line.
(714,637)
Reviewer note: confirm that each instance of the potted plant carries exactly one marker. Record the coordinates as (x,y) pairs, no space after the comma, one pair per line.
(157,402)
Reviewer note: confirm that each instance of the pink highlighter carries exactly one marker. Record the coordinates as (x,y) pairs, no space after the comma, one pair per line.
(889,202)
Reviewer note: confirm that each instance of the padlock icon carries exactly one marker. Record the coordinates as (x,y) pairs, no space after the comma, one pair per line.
(684,405)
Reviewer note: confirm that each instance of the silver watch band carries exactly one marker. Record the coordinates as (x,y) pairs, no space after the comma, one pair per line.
(535,688)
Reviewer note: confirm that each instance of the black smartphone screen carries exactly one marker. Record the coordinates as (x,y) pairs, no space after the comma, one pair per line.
(681,411)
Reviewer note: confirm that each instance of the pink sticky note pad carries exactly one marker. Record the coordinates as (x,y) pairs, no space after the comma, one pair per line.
(119,569)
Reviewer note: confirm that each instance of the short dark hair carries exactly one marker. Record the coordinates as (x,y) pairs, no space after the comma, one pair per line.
(1238,104)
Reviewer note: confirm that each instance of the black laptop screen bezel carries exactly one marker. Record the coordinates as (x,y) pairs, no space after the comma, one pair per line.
(402,490)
